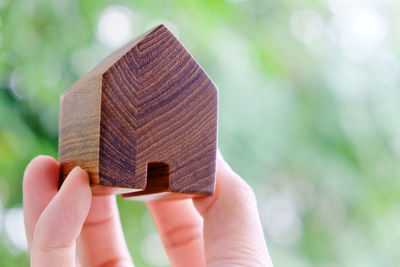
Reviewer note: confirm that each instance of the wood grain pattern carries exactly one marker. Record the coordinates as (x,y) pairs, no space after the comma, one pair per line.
(148,124)
(79,128)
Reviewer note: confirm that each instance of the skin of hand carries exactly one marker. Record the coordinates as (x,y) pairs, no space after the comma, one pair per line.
(221,230)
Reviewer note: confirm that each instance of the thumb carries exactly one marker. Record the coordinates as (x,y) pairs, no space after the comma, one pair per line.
(233,233)
(61,222)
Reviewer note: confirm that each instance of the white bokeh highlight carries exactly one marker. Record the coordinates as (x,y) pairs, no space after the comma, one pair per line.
(15,84)
(281,219)
(152,250)
(114,28)
(357,27)
(1,214)
(15,229)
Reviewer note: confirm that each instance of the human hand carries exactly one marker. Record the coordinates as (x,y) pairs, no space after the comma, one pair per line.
(220,230)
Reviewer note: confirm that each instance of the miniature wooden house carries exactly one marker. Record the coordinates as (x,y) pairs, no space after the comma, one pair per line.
(142,122)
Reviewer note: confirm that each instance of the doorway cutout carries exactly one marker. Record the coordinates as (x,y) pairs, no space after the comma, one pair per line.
(157,177)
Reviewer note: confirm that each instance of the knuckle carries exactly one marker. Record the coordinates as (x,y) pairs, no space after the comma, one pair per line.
(242,255)
(55,247)
(182,235)
(100,223)
(115,262)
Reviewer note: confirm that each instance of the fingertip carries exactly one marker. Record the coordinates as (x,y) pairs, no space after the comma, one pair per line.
(219,154)
(80,173)
(223,167)
(77,179)
(39,167)
(227,178)
(41,161)
(230,190)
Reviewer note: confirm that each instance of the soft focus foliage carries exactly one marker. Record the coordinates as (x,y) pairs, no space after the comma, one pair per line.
(309,112)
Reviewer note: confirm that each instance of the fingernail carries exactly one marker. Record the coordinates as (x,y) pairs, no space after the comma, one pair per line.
(74,169)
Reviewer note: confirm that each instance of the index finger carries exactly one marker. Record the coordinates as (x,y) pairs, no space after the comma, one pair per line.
(40,185)
(102,242)
(181,230)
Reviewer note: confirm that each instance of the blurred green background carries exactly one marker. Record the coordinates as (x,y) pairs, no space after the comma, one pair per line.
(309,112)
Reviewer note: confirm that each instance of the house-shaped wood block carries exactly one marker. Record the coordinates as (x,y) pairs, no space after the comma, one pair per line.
(143,122)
